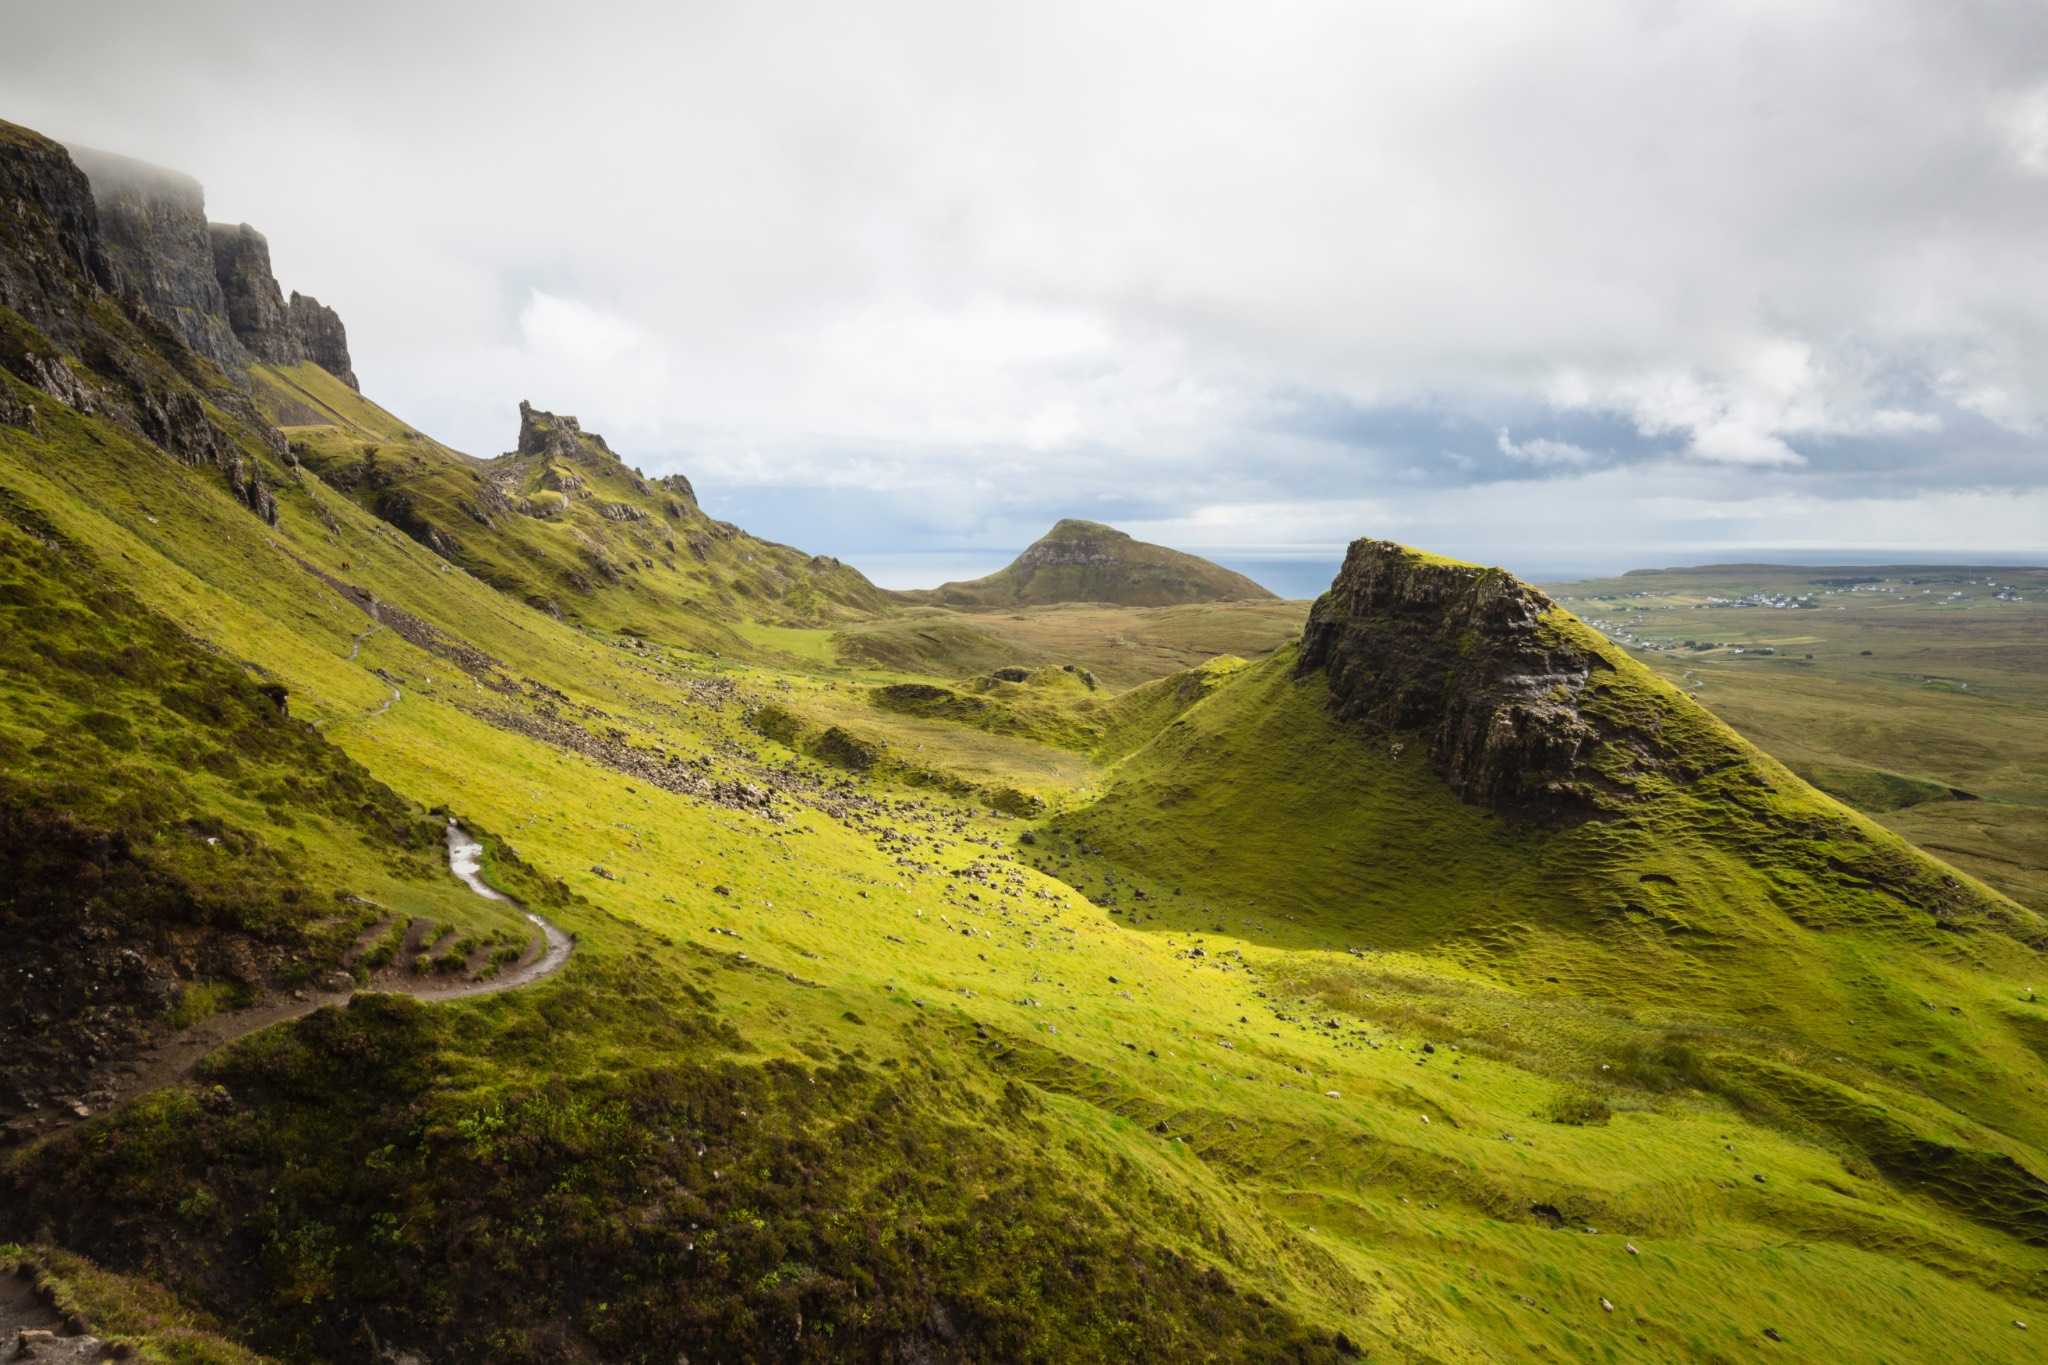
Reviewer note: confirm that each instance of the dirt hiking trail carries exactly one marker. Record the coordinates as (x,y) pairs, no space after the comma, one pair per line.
(172,1058)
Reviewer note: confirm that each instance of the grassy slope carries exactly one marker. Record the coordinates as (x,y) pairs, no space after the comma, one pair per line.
(175,840)
(651,1012)
(1019,740)
(532,1130)
(140,1320)
(1122,646)
(1719,1026)
(1344,1210)
(1889,699)
(664,570)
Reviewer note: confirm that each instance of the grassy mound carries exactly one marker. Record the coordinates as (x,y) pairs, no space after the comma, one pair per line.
(1085,561)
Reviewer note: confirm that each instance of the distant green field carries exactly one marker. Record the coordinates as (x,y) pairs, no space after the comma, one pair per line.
(1906,691)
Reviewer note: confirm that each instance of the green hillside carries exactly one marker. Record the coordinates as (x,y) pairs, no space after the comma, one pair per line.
(561,523)
(1085,561)
(1441,986)
(1916,693)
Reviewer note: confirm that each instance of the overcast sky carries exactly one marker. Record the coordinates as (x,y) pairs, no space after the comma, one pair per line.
(1544,284)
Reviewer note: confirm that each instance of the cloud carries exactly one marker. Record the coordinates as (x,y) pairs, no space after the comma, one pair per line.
(1733,441)
(1541,450)
(2023,119)
(989,264)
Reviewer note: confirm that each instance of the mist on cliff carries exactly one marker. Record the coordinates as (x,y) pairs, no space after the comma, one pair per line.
(1611,280)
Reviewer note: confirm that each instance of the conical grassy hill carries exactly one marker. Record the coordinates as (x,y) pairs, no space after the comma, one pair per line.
(1085,561)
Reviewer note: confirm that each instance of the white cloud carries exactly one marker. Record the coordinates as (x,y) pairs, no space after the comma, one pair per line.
(2023,119)
(1541,450)
(1733,441)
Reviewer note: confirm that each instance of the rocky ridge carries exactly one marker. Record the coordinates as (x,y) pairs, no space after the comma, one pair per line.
(211,283)
(71,330)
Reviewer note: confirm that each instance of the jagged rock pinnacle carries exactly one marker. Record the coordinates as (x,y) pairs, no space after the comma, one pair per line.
(563,437)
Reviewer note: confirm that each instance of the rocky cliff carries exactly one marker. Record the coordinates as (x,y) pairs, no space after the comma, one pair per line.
(51,257)
(71,336)
(153,225)
(322,336)
(210,283)
(1472,661)
(248,286)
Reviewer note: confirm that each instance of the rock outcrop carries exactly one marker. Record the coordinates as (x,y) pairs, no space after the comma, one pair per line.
(322,336)
(210,283)
(557,437)
(1466,659)
(255,305)
(153,224)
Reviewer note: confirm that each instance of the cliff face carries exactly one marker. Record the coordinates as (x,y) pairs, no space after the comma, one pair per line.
(210,283)
(255,305)
(153,224)
(1463,658)
(322,336)
(49,228)
(69,337)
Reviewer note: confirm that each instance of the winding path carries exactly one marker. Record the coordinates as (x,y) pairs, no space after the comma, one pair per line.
(355,646)
(173,1058)
(355,650)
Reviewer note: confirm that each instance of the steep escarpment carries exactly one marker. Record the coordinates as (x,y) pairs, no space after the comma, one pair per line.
(69,340)
(210,283)
(1085,561)
(153,226)
(53,260)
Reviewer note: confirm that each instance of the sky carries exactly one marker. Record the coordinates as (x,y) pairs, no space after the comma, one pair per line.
(1569,287)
